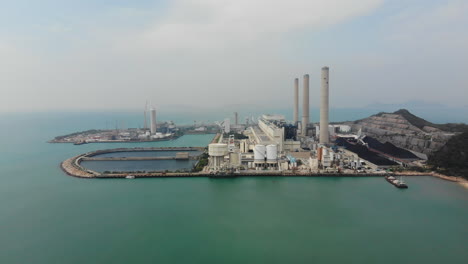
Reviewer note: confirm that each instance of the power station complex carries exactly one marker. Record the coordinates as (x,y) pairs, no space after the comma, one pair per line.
(273,143)
(267,145)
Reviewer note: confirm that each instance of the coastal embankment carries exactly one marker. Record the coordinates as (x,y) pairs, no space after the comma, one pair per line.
(463,182)
(73,167)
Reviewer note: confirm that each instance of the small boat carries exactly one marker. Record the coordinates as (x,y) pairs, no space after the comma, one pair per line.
(129,177)
(80,142)
(399,183)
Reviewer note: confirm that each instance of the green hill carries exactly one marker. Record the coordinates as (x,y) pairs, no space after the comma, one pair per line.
(452,159)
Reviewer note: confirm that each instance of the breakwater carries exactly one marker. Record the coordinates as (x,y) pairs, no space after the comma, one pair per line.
(105,151)
(134,158)
(72,166)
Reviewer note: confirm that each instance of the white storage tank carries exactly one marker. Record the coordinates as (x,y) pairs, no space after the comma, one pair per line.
(217,149)
(272,152)
(259,152)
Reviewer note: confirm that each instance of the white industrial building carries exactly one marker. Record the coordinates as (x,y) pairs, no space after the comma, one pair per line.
(333,130)
(270,133)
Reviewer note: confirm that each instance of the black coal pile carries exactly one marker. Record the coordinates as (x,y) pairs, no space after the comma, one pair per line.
(364,153)
(389,148)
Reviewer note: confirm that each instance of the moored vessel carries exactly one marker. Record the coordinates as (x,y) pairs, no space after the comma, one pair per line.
(399,183)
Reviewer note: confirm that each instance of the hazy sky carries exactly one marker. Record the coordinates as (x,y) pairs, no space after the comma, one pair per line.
(116,54)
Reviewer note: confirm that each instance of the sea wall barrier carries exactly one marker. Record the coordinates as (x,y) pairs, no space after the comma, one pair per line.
(233,175)
(135,158)
(105,151)
(72,166)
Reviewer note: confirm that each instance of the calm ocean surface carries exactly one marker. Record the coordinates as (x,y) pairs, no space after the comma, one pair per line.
(49,217)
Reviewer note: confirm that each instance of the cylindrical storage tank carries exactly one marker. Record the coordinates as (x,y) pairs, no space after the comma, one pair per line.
(259,153)
(272,152)
(217,149)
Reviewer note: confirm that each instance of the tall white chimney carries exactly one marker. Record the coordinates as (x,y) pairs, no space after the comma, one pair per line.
(153,121)
(296,101)
(324,135)
(305,105)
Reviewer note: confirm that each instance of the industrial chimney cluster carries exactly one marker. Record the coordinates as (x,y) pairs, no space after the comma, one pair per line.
(324,137)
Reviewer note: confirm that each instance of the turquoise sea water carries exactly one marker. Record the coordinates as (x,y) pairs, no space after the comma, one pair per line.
(166,153)
(145,165)
(49,217)
(140,165)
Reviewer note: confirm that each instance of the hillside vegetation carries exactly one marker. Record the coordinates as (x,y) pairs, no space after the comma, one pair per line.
(452,159)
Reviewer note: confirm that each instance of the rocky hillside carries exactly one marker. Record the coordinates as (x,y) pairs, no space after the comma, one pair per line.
(406,130)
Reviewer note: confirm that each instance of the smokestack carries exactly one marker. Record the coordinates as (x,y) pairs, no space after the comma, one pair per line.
(236,119)
(296,101)
(146,118)
(305,105)
(324,136)
(153,121)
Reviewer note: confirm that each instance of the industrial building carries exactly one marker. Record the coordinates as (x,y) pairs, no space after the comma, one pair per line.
(270,142)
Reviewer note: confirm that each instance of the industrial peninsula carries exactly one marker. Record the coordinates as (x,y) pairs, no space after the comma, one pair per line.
(162,131)
(386,144)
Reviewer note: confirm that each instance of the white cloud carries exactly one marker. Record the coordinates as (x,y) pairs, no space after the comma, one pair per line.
(212,24)
(442,25)
(218,52)
(197,50)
